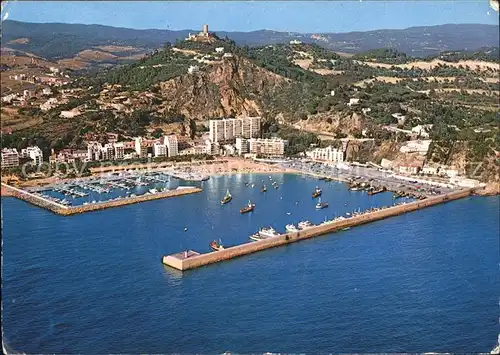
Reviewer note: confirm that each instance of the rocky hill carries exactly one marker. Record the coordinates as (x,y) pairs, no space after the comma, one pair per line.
(233,86)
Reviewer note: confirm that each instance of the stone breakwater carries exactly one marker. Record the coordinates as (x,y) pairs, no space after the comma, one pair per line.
(191,259)
(68,211)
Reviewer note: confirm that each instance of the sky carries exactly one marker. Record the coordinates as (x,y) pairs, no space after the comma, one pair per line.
(292,16)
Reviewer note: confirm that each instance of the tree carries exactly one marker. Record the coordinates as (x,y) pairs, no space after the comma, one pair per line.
(192,128)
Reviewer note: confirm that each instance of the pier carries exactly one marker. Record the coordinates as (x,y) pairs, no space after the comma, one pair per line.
(191,259)
(67,211)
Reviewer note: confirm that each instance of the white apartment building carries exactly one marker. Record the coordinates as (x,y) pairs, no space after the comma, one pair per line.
(107,151)
(328,154)
(172,145)
(119,151)
(159,150)
(268,147)
(229,133)
(10,158)
(141,149)
(250,127)
(242,145)
(216,130)
(226,130)
(211,148)
(34,153)
(94,150)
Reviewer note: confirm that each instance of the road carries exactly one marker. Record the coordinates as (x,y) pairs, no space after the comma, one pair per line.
(374,176)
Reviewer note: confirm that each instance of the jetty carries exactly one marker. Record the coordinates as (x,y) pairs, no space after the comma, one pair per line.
(191,259)
(63,210)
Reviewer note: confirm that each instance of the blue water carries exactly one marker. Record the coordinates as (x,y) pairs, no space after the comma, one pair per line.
(94,283)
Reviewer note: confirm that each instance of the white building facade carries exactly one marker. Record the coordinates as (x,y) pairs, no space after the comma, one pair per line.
(10,158)
(267,147)
(327,154)
(172,145)
(226,130)
(34,153)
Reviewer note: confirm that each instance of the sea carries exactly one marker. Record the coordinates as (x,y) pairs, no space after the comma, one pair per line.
(94,283)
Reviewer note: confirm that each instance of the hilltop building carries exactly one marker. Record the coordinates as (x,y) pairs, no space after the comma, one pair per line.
(203,36)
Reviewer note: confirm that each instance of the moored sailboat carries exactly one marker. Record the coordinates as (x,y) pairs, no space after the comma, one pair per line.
(226,198)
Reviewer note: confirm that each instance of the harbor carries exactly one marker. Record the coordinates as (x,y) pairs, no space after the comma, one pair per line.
(97,193)
(191,259)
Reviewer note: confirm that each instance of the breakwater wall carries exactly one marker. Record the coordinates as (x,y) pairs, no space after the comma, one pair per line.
(179,262)
(68,211)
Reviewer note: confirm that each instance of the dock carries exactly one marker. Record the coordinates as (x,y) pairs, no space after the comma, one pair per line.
(192,259)
(68,211)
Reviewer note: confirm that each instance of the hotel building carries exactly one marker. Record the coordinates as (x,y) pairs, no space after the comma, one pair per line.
(327,154)
(226,130)
(10,158)
(172,145)
(267,147)
(34,153)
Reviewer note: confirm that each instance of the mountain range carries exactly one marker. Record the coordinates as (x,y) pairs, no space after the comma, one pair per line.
(59,40)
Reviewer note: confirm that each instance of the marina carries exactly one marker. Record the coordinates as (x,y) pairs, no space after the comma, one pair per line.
(96,193)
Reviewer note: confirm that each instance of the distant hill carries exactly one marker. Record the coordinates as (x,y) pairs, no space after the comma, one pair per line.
(58,40)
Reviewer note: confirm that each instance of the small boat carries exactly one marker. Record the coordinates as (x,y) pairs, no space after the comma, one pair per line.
(317,192)
(321,205)
(291,228)
(305,224)
(248,208)
(216,246)
(256,237)
(246,184)
(288,213)
(268,232)
(226,198)
(346,228)
(253,185)
(263,189)
(185,229)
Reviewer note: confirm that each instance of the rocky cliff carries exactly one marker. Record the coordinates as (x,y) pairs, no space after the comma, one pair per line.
(233,86)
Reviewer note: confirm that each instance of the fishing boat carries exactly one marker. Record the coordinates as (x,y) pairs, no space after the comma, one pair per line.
(248,208)
(226,198)
(263,189)
(216,246)
(317,192)
(321,205)
(291,228)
